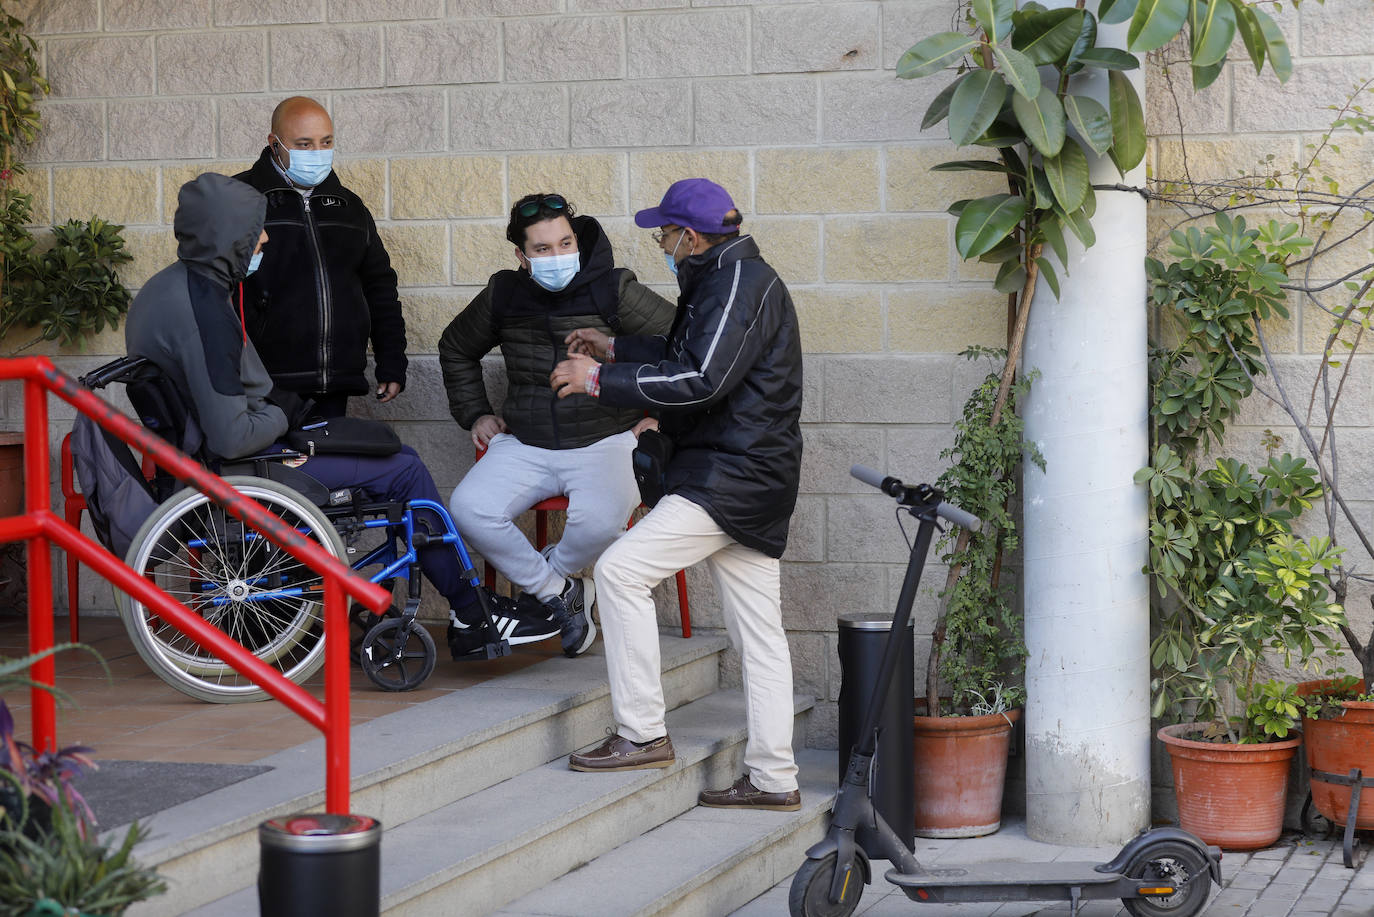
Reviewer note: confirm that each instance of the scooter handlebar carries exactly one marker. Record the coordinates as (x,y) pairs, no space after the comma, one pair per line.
(895,488)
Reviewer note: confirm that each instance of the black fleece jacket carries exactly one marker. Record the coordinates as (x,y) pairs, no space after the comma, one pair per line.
(324,288)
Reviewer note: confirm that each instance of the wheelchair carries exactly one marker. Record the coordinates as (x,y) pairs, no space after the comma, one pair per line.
(255,591)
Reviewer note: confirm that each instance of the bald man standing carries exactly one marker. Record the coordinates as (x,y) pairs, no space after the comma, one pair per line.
(325,287)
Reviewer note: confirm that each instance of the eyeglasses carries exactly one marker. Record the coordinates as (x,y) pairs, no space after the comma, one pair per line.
(547,202)
(662,234)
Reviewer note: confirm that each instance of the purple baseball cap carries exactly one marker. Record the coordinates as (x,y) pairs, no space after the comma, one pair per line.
(696,203)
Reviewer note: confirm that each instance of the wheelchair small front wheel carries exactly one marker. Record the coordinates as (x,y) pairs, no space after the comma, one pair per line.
(398,655)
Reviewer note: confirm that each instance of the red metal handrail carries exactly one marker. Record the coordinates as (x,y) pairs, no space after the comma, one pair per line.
(39,526)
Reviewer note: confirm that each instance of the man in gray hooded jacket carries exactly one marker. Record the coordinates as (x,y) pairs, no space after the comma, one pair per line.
(188,319)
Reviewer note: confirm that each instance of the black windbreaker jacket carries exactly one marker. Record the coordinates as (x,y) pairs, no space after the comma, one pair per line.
(324,288)
(727,384)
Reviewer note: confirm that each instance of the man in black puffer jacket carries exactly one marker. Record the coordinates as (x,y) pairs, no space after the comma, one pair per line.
(540,446)
(727,381)
(326,285)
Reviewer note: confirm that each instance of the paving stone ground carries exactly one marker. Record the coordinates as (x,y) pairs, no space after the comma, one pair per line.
(1298,877)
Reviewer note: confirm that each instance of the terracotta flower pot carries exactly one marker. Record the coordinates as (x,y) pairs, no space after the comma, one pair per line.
(1335,746)
(960,766)
(1230,795)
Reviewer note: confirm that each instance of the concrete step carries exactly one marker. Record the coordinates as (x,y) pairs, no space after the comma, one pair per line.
(704,861)
(407,764)
(481,852)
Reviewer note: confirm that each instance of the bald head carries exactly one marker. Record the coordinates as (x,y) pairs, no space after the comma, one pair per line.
(287,116)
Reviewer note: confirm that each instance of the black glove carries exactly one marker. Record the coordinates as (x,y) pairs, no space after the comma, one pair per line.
(296,408)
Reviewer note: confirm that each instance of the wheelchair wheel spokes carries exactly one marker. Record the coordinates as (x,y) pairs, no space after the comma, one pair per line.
(241,582)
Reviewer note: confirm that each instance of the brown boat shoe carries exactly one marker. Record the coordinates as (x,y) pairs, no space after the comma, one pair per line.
(744,795)
(620,754)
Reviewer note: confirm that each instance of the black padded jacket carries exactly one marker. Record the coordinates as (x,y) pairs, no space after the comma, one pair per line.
(727,385)
(529,324)
(324,289)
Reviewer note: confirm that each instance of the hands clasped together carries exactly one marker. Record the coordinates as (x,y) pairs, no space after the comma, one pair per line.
(587,347)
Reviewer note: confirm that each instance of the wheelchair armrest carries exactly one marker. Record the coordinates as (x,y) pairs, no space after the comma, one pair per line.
(124,369)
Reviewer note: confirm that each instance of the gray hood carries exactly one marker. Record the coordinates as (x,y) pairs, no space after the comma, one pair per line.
(217,224)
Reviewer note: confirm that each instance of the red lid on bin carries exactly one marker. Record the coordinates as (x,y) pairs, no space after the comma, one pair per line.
(320,831)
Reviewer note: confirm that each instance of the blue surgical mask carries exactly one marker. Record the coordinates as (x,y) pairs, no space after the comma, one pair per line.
(254,263)
(554,272)
(671,257)
(309,167)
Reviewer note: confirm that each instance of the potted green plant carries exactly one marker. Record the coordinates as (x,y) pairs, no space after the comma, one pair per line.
(976,653)
(1268,599)
(1338,738)
(1237,587)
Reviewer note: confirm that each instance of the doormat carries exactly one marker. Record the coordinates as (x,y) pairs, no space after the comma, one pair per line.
(125,791)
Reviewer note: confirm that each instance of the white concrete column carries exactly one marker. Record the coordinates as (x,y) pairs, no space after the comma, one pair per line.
(1085,539)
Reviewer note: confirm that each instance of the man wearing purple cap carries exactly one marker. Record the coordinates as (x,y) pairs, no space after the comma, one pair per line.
(726,383)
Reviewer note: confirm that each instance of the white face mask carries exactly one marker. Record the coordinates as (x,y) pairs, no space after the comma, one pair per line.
(555,272)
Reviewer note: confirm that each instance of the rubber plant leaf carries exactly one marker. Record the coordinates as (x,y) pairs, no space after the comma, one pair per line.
(1109,59)
(1274,45)
(1091,120)
(985,222)
(975,105)
(1250,33)
(933,54)
(1047,271)
(1042,118)
(939,106)
(971,165)
(1068,175)
(994,17)
(1214,28)
(1155,24)
(1019,71)
(1110,12)
(1128,122)
(1046,37)
(1086,40)
(1206,76)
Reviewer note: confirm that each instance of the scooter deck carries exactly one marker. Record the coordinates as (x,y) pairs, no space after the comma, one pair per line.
(1051,875)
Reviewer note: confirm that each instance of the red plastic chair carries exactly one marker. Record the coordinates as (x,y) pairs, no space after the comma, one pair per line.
(541,512)
(73,505)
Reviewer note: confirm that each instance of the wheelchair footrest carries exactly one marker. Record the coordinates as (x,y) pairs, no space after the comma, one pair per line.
(486,652)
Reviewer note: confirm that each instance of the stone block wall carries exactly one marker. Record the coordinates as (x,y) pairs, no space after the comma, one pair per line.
(448,110)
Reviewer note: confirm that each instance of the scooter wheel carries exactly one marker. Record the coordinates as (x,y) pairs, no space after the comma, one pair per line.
(810,894)
(1172,862)
(398,656)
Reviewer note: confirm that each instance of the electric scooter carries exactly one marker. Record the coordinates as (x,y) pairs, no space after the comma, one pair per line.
(1162,872)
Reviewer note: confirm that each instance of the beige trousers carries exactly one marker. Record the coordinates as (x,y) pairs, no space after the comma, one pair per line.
(676,534)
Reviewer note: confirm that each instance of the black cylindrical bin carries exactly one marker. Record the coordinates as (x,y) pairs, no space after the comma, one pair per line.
(320,866)
(863,638)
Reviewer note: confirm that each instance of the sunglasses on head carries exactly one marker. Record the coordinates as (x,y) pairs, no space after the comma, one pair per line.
(547,202)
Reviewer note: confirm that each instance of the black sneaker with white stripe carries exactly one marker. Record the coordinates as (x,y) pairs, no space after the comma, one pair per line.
(517,622)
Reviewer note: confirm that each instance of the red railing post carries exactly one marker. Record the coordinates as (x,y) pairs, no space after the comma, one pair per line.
(336,698)
(37,500)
